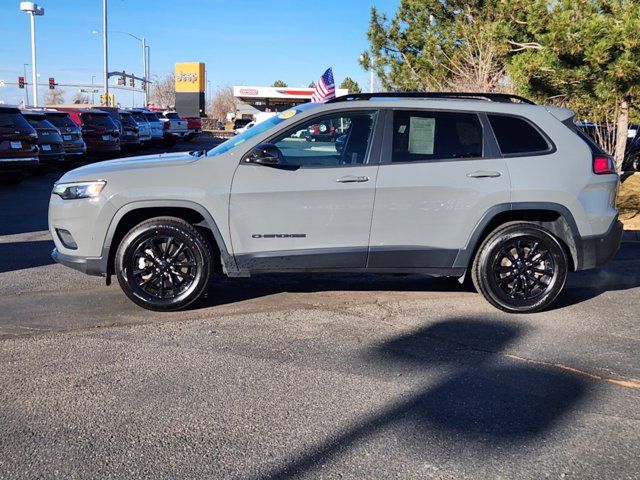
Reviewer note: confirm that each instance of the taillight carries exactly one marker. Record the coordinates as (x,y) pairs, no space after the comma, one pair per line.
(603,165)
(166,125)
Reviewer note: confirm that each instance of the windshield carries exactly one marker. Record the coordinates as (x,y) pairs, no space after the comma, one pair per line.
(98,120)
(151,117)
(127,120)
(258,129)
(61,121)
(13,120)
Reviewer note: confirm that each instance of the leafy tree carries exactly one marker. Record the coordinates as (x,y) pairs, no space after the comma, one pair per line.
(438,45)
(279,83)
(351,85)
(584,54)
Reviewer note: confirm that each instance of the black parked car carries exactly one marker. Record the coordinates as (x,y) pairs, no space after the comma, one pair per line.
(49,138)
(130,139)
(72,141)
(18,146)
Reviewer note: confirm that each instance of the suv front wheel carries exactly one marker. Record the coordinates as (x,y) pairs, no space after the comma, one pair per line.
(520,268)
(164,264)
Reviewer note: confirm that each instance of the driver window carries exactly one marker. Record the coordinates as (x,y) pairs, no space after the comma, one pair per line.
(332,140)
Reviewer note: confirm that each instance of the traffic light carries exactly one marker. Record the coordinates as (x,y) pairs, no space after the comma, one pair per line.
(20,82)
(132,81)
(52,83)
(103,99)
(112,100)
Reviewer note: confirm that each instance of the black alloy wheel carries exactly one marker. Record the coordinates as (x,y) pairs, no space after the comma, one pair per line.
(520,267)
(164,264)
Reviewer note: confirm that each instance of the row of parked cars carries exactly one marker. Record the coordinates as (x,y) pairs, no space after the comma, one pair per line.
(31,140)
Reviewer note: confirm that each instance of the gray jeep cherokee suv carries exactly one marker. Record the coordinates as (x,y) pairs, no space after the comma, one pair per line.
(488,185)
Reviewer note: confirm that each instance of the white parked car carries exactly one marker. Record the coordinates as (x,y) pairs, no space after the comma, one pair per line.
(240,130)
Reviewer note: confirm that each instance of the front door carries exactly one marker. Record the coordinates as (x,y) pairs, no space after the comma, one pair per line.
(313,210)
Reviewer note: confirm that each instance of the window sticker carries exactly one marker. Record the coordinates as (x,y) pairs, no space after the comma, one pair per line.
(422,133)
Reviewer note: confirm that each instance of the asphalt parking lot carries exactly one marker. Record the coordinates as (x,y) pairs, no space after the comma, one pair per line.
(342,376)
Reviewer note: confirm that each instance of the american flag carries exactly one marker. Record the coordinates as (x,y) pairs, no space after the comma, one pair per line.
(325,88)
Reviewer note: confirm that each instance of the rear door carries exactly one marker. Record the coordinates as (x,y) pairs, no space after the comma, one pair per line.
(440,172)
(313,211)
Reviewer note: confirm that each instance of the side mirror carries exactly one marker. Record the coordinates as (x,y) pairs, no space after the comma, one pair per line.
(264,154)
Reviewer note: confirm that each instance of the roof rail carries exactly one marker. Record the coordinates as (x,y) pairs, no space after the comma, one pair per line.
(490,97)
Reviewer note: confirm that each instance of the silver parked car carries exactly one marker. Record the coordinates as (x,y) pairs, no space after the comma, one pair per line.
(144,126)
(486,185)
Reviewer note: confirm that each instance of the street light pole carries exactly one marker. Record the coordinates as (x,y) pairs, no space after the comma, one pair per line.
(144,68)
(105,58)
(33,9)
(24,72)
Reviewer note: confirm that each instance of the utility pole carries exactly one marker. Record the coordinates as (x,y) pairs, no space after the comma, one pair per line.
(144,69)
(105,53)
(26,90)
(33,9)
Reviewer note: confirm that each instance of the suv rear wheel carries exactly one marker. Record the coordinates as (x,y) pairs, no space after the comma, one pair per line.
(520,268)
(164,264)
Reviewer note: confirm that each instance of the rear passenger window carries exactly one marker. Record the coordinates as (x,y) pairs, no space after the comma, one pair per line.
(517,136)
(423,136)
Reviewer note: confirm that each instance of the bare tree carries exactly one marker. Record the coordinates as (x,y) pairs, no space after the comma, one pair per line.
(163,92)
(79,97)
(223,102)
(54,97)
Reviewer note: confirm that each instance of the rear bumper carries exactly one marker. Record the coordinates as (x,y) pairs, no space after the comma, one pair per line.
(89,266)
(597,251)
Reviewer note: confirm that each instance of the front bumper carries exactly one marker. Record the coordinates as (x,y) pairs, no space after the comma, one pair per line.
(89,266)
(597,251)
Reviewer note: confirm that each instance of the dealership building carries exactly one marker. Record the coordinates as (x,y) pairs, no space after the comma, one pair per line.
(275,99)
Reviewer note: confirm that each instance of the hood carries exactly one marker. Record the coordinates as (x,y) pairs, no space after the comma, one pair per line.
(97,171)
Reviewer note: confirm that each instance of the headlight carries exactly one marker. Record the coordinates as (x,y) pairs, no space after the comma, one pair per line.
(73,191)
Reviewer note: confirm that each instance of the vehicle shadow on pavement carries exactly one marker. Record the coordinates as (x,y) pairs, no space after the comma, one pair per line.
(488,401)
(21,255)
(229,290)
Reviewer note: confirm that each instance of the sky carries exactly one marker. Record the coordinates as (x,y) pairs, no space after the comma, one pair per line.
(242,42)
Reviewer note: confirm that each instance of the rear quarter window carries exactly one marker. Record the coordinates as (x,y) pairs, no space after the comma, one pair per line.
(517,136)
(11,120)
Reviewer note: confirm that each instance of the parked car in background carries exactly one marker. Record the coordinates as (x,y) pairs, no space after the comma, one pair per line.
(175,128)
(194,127)
(50,147)
(604,135)
(322,132)
(157,126)
(144,126)
(130,139)
(99,131)
(18,146)
(72,141)
(244,128)
(241,122)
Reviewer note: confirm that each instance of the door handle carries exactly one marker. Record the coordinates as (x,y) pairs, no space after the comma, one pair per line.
(484,174)
(352,179)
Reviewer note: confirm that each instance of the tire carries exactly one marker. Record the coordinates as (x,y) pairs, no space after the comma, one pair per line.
(164,264)
(520,268)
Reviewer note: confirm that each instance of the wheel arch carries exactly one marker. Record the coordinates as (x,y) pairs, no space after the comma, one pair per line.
(554,217)
(134,213)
